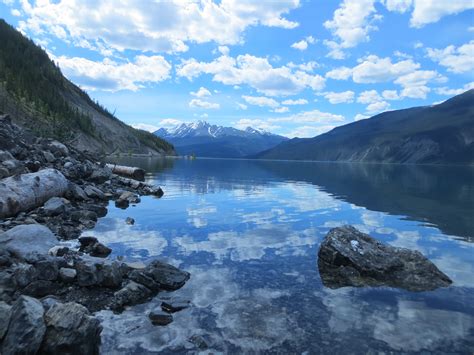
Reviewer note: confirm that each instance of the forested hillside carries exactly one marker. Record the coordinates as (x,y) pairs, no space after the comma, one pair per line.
(36,94)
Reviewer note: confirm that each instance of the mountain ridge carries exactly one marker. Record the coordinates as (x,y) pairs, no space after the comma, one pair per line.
(205,139)
(437,134)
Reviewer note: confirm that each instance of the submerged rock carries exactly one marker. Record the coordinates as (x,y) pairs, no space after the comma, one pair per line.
(158,317)
(348,257)
(173,306)
(26,329)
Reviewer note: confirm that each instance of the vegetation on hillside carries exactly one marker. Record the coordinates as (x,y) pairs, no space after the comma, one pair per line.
(33,80)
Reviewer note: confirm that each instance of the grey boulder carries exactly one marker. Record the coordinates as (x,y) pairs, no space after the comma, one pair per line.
(348,257)
(26,329)
(5,313)
(26,241)
(55,206)
(71,330)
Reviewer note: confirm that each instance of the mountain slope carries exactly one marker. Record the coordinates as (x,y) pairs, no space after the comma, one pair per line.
(206,140)
(440,134)
(36,95)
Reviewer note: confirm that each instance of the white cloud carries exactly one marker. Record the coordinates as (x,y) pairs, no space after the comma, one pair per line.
(261,101)
(308,131)
(255,123)
(376,70)
(456,59)
(351,25)
(307,67)
(418,44)
(360,116)
(375,103)
(16,12)
(146,127)
(452,92)
(224,50)
(202,92)
(242,106)
(429,11)
(314,116)
(170,123)
(377,107)
(390,95)
(254,71)
(282,109)
(109,75)
(341,73)
(151,25)
(415,84)
(400,6)
(340,97)
(198,103)
(303,44)
(295,102)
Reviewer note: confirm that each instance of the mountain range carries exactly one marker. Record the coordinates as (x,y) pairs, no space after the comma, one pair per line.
(37,96)
(206,140)
(437,134)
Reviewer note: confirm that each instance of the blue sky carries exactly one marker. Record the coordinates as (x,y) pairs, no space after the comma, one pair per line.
(297,68)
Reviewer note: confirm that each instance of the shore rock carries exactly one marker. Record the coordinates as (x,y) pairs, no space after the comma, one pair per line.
(348,257)
(26,329)
(26,241)
(55,206)
(173,306)
(67,274)
(5,313)
(132,293)
(71,330)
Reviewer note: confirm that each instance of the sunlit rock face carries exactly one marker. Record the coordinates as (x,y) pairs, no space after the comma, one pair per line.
(348,257)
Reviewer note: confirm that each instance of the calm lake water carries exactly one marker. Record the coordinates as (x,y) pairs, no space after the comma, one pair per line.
(249,233)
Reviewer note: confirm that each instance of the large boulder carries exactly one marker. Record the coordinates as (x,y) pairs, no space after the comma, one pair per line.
(166,275)
(26,241)
(348,257)
(5,313)
(55,206)
(71,330)
(26,329)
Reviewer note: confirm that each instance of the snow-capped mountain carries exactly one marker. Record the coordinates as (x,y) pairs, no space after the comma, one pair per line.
(204,139)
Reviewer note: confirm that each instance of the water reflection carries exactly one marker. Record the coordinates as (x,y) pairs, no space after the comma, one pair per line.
(249,233)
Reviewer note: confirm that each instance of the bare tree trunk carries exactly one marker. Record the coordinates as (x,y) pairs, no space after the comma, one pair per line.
(135,173)
(27,191)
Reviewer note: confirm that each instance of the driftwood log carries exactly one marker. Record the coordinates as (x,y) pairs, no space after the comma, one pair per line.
(27,191)
(128,171)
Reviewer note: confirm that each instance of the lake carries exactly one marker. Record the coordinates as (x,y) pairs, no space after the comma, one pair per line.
(249,234)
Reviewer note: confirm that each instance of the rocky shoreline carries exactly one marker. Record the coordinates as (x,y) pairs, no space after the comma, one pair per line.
(48,291)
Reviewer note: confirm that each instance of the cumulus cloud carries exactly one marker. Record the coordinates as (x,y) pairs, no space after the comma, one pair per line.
(340,97)
(202,92)
(390,95)
(256,72)
(255,123)
(415,84)
(314,116)
(341,73)
(309,131)
(109,75)
(145,127)
(429,11)
(198,103)
(373,69)
(375,103)
(303,44)
(295,102)
(282,109)
(351,24)
(452,92)
(455,59)
(261,101)
(164,26)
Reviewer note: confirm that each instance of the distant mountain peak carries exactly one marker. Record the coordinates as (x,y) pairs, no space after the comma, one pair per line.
(205,139)
(204,128)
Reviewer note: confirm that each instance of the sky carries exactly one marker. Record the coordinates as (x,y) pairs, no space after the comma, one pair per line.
(293,67)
